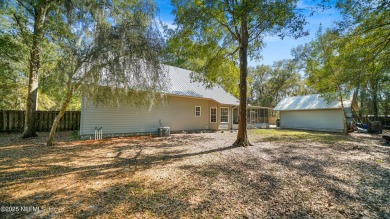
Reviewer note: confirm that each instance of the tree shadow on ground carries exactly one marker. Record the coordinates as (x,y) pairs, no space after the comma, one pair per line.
(31,164)
(47,167)
(109,179)
(370,192)
(131,197)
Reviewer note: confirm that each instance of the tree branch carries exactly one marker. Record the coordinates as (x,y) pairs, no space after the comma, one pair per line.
(22,29)
(255,27)
(372,27)
(234,52)
(231,12)
(383,47)
(227,27)
(29,10)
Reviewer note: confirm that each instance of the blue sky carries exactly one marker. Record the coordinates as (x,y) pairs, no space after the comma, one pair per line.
(275,49)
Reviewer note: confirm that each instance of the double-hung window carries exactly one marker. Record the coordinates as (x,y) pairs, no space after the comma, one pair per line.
(224,115)
(213,114)
(197,111)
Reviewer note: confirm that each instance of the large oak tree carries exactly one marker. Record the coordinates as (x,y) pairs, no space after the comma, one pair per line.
(30,17)
(236,26)
(111,50)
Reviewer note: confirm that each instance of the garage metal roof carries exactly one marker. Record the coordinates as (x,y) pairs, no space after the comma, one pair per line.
(311,102)
(181,84)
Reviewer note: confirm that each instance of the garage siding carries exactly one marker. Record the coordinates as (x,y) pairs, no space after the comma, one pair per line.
(322,120)
(178,113)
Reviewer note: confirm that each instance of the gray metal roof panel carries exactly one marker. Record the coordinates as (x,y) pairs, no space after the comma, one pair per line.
(181,84)
(310,102)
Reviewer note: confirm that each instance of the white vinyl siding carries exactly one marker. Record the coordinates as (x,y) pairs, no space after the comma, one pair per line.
(213,114)
(326,120)
(177,113)
(198,111)
(224,115)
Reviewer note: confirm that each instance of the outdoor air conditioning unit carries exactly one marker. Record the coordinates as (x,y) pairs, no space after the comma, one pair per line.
(164,131)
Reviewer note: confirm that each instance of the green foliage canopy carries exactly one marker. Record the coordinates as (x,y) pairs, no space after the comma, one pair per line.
(269,84)
(230,27)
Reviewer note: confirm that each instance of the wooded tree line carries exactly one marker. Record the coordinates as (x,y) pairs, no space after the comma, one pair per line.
(58,48)
(110,50)
(352,56)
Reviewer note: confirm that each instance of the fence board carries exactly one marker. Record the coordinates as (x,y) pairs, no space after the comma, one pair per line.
(385,120)
(7,118)
(66,121)
(20,121)
(13,120)
(71,120)
(38,121)
(62,122)
(52,116)
(78,119)
(1,121)
(47,121)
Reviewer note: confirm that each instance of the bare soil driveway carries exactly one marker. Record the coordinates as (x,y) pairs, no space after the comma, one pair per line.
(286,174)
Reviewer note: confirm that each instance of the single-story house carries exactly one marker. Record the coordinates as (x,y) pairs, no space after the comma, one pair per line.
(313,112)
(189,106)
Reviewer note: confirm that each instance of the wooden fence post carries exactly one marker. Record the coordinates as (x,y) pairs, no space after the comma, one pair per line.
(7,127)
(1,120)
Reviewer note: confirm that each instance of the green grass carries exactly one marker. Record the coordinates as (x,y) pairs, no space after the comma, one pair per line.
(285,135)
(75,135)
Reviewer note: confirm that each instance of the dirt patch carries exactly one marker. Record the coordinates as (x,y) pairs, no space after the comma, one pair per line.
(285,174)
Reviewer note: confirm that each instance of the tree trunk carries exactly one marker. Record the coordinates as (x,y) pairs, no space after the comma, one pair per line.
(33,77)
(58,118)
(242,136)
(344,113)
(375,102)
(362,101)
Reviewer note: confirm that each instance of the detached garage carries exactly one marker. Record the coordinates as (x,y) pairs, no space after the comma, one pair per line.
(313,112)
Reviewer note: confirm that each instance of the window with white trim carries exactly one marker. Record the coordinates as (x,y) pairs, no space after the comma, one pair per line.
(197,111)
(213,114)
(224,114)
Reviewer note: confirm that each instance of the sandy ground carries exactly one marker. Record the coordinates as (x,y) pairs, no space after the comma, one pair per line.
(286,174)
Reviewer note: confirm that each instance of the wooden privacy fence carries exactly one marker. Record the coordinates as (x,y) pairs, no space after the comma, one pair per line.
(385,120)
(13,120)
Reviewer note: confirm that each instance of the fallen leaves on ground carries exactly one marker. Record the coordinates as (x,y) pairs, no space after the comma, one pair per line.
(285,174)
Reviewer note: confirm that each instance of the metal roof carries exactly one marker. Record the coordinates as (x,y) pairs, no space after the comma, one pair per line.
(181,84)
(310,102)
